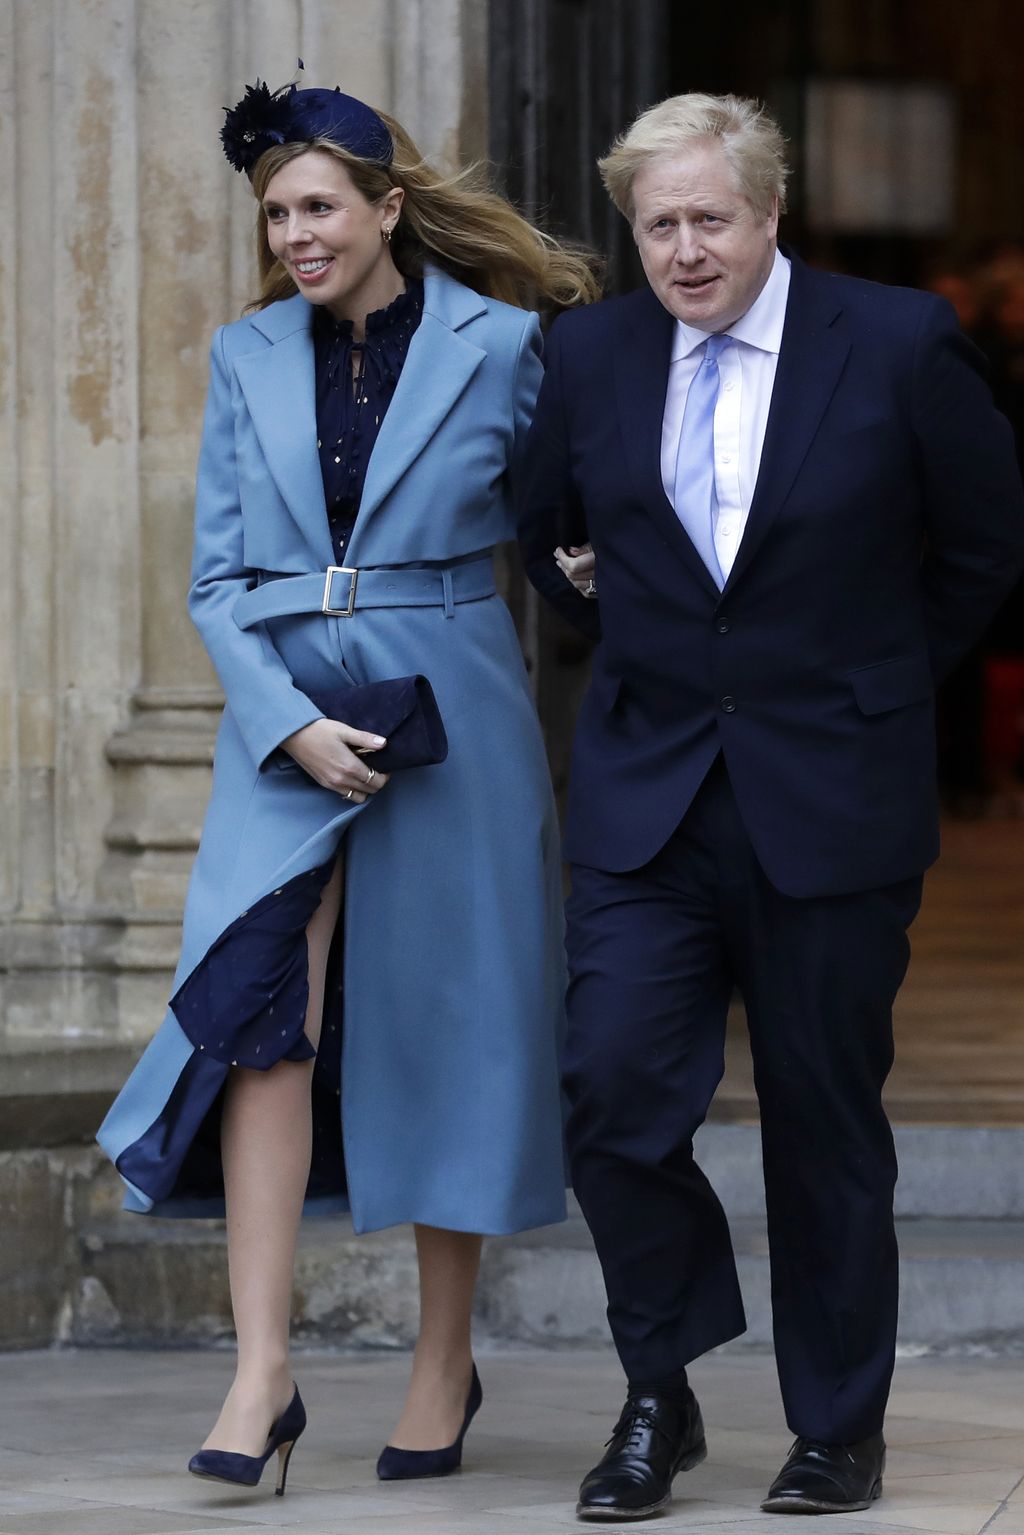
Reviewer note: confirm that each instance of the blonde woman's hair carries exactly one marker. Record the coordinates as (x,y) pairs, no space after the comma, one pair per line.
(456,222)
(752,141)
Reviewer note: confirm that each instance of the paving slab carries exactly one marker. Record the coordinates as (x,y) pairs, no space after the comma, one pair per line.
(97,1441)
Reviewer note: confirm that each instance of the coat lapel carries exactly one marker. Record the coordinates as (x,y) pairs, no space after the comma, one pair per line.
(279,385)
(811,359)
(641,375)
(280,391)
(437,369)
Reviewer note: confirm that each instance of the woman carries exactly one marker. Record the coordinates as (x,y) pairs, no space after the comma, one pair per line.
(362,427)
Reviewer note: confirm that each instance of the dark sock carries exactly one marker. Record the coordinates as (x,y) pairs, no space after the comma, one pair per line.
(672,1388)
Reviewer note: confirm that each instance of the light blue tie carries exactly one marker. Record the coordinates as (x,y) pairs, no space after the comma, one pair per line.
(695,497)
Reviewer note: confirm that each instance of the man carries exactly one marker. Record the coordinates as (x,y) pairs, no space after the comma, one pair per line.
(803,508)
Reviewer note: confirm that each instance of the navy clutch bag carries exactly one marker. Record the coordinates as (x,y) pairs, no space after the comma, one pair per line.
(403,709)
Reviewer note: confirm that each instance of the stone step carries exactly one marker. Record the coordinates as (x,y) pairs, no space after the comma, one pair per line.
(960,1171)
(74,1268)
(961,1223)
(960,1286)
(160,1283)
(64,1086)
(54,1091)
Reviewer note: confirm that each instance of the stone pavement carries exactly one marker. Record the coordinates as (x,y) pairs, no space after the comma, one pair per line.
(95,1443)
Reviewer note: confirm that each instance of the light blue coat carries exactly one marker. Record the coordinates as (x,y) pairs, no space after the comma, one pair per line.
(453,939)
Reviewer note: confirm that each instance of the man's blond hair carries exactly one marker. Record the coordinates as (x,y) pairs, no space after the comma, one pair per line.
(752,141)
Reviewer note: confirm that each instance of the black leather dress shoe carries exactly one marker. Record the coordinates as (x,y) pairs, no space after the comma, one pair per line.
(652,1440)
(828,1478)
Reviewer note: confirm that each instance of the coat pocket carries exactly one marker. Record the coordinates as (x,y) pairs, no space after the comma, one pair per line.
(892,684)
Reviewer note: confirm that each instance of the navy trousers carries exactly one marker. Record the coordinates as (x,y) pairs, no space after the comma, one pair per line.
(654,955)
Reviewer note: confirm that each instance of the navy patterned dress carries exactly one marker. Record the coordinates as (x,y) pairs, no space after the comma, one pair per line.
(352,399)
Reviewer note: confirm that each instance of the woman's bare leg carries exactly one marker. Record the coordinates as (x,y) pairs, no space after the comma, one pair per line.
(442,1365)
(266,1138)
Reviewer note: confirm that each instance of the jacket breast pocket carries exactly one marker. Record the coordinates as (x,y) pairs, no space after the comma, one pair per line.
(892,684)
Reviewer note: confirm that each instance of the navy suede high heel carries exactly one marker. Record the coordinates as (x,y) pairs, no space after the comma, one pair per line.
(396,1465)
(246,1470)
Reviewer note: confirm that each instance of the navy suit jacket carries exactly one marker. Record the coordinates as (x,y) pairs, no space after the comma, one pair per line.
(886,525)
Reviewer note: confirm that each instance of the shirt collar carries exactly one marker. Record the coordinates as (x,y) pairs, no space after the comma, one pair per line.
(760,327)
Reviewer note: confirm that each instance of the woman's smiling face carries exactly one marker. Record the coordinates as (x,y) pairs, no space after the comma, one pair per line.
(706,252)
(328,236)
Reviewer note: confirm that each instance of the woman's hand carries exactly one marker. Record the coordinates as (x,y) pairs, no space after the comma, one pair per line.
(578,566)
(327,749)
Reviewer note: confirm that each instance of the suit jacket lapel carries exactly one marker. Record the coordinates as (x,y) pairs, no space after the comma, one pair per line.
(811,359)
(279,386)
(641,377)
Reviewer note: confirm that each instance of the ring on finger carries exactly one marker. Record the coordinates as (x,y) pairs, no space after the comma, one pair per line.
(371,775)
(348,794)
(590,590)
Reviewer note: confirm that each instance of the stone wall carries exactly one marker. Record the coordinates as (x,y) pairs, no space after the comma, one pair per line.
(125,238)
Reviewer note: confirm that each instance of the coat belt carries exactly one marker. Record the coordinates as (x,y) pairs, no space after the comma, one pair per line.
(341,590)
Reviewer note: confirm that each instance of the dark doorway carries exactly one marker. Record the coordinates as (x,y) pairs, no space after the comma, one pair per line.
(565,77)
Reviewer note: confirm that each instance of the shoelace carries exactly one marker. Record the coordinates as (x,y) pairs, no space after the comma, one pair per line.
(629,1426)
(819,1447)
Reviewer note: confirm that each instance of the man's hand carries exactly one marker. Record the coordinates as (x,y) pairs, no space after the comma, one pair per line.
(578,566)
(327,749)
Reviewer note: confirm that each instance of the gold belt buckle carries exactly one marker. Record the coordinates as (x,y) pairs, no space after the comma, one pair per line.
(339,570)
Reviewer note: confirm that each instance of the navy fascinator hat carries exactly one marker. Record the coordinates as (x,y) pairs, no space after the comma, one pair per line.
(289,116)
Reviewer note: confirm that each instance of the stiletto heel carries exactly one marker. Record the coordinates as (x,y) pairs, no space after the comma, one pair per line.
(246,1470)
(396,1465)
(284,1455)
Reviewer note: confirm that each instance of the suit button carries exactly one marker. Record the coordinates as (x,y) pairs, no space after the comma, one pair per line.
(728,704)
(722,625)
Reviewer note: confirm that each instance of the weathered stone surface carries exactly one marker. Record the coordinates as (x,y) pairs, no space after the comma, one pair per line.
(167,1283)
(54,1092)
(32,1254)
(356,1291)
(164,1287)
(41,1205)
(96,1318)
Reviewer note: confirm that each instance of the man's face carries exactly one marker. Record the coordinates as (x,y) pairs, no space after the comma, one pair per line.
(706,253)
